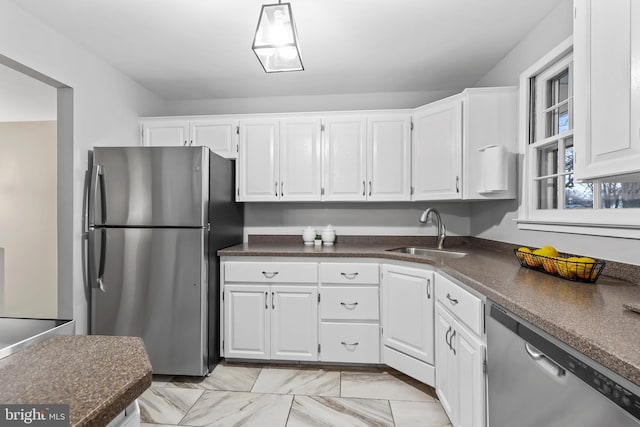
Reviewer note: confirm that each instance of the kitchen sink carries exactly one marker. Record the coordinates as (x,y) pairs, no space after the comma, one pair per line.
(429,252)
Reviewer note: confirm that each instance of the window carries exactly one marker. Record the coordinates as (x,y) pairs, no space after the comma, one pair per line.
(551,194)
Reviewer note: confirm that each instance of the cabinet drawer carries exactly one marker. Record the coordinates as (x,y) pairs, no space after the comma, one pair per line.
(350,273)
(349,303)
(350,342)
(271,272)
(464,305)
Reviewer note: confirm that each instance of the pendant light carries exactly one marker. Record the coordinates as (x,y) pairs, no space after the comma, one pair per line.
(276,41)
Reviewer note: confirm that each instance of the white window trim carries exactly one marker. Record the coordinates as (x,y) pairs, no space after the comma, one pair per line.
(597,222)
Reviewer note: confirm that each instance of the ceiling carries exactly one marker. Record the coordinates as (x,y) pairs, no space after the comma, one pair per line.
(201,49)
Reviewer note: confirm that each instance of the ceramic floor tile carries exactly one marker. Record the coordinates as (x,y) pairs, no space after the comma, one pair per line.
(425,414)
(158,425)
(166,405)
(379,385)
(223,377)
(315,411)
(316,382)
(230,408)
(161,380)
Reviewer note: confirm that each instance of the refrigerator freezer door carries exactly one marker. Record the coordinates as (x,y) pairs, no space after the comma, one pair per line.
(154,287)
(149,187)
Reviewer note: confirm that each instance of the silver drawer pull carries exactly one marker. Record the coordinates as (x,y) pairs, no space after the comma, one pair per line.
(452,300)
(269,274)
(353,344)
(349,276)
(349,305)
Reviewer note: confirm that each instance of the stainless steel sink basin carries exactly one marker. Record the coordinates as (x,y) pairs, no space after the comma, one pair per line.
(429,252)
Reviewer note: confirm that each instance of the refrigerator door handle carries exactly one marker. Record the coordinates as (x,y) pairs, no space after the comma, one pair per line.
(103,254)
(97,179)
(96,278)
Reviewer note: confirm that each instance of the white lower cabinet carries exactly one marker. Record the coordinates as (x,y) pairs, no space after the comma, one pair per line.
(407,321)
(350,342)
(460,355)
(271,322)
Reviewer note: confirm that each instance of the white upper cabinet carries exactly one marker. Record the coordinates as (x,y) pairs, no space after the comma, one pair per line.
(437,150)
(389,158)
(219,135)
(300,161)
(165,133)
(606,93)
(279,160)
(258,161)
(345,158)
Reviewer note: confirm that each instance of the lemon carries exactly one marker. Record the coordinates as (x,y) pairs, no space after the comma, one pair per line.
(521,253)
(550,265)
(563,268)
(584,266)
(548,251)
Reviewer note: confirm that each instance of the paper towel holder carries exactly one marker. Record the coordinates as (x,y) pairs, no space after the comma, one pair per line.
(494,169)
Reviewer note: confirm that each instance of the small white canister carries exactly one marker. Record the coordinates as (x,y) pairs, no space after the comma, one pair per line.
(328,235)
(308,236)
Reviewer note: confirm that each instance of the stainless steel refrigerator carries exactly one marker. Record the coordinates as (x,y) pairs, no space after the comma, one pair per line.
(156,217)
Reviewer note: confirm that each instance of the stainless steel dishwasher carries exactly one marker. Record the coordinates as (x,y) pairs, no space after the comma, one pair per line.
(535,380)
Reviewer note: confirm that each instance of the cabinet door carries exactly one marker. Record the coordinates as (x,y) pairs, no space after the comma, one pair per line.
(407,311)
(258,177)
(300,163)
(437,151)
(246,321)
(607,97)
(389,158)
(469,355)
(294,322)
(220,136)
(345,159)
(163,133)
(446,367)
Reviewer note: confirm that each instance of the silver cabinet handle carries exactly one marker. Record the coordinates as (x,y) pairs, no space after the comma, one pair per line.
(453,301)
(276,188)
(370,188)
(270,274)
(446,337)
(453,334)
(543,360)
(349,305)
(281,188)
(266,300)
(185,143)
(190,143)
(457,184)
(349,276)
(364,188)
(273,304)
(350,343)
(428,288)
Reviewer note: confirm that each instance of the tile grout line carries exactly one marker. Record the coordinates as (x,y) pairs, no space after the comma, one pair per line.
(191,407)
(289,413)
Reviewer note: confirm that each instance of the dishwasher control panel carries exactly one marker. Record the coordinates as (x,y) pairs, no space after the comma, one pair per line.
(612,390)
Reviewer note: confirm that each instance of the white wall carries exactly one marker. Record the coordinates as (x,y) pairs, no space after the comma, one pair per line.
(23,98)
(495,220)
(28,218)
(106,106)
(285,104)
(354,218)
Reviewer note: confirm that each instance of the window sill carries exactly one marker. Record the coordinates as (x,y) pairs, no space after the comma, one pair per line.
(591,229)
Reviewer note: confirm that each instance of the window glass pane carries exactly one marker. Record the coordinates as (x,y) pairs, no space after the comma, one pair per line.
(557,120)
(618,195)
(563,85)
(577,195)
(548,193)
(548,160)
(568,155)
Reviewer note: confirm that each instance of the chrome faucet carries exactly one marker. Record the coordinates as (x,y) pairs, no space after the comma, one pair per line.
(442,232)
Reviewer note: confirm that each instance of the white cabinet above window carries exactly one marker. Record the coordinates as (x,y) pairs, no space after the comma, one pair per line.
(607,91)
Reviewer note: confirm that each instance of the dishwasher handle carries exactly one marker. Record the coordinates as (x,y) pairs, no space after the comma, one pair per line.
(543,360)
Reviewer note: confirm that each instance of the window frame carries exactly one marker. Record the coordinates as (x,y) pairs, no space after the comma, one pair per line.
(591,221)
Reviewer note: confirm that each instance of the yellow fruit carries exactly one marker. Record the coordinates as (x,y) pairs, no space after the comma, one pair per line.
(548,251)
(572,265)
(524,249)
(563,268)
(521,253)
(550,265)
(584,267)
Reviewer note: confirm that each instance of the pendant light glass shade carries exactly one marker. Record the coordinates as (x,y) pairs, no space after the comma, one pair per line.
(276,41)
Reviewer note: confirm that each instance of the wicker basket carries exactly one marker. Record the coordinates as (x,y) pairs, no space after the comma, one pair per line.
(587,272)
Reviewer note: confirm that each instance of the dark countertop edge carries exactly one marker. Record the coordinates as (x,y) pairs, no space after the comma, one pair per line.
(569,337)
(111,408)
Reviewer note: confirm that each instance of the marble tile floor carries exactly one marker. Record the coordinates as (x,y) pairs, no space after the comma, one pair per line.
(292,396)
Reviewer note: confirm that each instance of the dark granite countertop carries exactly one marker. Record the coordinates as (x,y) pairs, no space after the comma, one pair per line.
(588,317)
(97,376)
